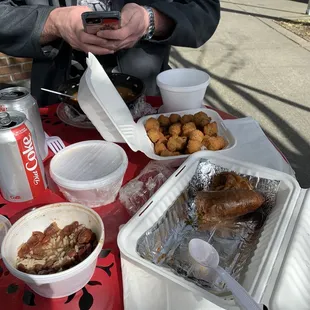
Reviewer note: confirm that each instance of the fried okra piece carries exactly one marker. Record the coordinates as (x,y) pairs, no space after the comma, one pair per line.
(215,143)
(176,143)
(196,135)
(151,123)
(187,118)
(210,129)
(164,121)
(174,118)
(201,119)
(175,129)
(188,128)
(159,147)
(155,135)
(193,146)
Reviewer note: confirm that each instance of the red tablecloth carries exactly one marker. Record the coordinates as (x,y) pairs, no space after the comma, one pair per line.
(104,291)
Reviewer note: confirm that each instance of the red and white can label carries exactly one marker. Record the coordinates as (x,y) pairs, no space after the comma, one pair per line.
(30,159)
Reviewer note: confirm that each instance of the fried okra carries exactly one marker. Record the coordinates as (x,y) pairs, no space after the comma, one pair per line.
(159,147)
(210,129)
(175,129)
(188,128)
(155,135)
(176,143)
(187,118)
(215,143)
(151,123)
(196,135)
(193,146)
(201,119)
(174,118)
(164,121)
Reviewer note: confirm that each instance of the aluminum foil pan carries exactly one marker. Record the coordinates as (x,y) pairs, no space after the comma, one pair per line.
(166,243)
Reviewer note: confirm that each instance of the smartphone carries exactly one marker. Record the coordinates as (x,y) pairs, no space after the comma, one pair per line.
(96,21)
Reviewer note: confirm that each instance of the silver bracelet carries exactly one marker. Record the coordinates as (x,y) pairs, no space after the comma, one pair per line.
(151,30)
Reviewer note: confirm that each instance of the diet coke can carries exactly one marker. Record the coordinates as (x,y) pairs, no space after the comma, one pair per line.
(21,168)
(19,99)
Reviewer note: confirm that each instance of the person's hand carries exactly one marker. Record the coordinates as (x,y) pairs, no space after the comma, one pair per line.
(134,22)
(67,24)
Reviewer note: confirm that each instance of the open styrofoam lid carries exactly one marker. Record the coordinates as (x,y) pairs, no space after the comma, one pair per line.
(104,106)
(5,225)
(88,164)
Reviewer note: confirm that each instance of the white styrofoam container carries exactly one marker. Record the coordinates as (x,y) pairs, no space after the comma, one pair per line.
(103,105)
(90,172)
(148,146)
(279,270)
(66,282)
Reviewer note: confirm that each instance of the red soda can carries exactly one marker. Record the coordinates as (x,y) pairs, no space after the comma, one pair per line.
(21,168)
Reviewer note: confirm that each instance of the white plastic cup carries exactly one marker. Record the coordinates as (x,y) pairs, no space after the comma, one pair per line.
(182,89)
(66,282)
(90,172)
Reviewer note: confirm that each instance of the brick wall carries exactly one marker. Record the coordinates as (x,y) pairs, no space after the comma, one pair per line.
(14,70)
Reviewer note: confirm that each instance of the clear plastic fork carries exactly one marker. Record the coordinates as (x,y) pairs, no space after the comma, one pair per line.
(54,143)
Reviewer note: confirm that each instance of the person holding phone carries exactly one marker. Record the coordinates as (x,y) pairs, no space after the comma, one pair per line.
(51,31)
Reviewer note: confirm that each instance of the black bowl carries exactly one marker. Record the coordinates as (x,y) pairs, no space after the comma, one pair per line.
(131,84)
(130,88)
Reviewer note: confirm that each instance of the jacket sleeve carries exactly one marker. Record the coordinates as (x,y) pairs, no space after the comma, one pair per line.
(21,28)
(195,21)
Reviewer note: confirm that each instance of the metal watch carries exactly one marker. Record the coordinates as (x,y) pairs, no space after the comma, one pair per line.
(151,29)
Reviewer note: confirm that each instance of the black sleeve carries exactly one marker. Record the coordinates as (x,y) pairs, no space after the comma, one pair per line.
(21,28)
(195,20)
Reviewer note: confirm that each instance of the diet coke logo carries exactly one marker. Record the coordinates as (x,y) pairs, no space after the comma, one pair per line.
(31,163)
(3,108)
(30,159)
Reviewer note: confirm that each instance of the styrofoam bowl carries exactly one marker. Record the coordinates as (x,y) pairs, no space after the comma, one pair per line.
(66,282)
(182,89)
(90,172)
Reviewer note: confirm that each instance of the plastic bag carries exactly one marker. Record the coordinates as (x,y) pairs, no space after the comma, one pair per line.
(139,190)
(141,108)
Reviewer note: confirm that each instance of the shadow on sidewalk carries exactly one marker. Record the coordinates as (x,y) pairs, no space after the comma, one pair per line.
(260,15)
(264,7)
(302,1)
(299,159)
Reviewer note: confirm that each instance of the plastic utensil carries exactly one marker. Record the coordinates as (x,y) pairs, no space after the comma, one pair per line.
(54,143)
(206,255)
(58,93)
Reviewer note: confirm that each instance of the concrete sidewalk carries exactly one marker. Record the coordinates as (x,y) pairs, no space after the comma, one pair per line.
(259,69)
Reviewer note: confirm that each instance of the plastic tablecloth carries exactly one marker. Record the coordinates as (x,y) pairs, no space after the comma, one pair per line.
(104,291)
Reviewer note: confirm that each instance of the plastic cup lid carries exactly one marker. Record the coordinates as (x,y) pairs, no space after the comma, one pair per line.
(5,225)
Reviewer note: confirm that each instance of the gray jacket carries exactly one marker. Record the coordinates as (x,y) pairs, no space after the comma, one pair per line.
(21,26)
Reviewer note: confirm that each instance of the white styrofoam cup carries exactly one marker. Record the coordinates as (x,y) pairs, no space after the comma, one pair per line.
(182,89)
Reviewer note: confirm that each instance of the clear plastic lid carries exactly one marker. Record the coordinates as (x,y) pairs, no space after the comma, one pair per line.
(5,225)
